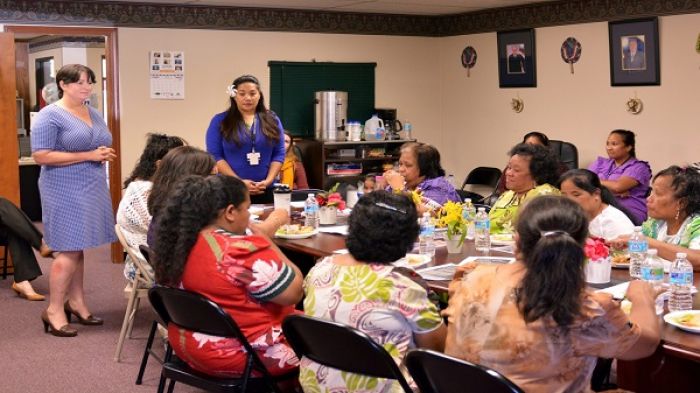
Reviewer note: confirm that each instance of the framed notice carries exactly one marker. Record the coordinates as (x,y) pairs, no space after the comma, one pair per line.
(516,58)
(167,70)
(634,52)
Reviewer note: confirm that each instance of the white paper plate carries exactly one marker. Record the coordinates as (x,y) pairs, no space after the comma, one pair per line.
(671,318)
(487,259)
(297,235)
(413,261)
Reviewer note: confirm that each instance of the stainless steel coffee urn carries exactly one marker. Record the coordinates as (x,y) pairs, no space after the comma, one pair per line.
(331,113)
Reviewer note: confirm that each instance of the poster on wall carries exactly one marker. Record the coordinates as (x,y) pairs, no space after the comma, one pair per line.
(167,70)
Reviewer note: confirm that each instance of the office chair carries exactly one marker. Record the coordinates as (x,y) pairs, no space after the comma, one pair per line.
(480,183)
(567,153)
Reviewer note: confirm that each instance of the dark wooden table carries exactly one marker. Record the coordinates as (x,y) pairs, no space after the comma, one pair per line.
(674,367)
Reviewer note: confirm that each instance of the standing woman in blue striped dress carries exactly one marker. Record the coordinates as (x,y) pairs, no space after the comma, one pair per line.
(71,142)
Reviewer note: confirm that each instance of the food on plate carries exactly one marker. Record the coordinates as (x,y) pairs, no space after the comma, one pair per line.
(690,320)
(415,259)
(620,259)
(502,237)
(294,229)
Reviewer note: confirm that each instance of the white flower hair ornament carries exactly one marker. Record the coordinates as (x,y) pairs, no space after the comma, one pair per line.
(231,91)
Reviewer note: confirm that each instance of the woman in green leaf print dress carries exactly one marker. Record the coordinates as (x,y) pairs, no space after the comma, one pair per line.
(364,290)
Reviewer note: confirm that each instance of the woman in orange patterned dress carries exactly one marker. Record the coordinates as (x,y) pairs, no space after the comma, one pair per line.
(534,320)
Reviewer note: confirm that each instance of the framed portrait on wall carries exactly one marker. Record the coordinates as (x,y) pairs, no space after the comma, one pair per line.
(634,52)
(516,58)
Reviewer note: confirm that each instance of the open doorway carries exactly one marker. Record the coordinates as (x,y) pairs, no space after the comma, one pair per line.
(106,94)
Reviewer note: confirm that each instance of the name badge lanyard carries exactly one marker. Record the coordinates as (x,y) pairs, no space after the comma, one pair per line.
(253,156)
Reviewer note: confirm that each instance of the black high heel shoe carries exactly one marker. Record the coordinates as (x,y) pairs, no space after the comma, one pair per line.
(64,331)
(90,320)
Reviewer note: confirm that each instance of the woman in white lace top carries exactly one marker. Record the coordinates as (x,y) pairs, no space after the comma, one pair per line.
(132,215)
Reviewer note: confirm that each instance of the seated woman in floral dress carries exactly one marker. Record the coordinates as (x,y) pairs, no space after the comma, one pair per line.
(535,321)
(362,289)
(201,246)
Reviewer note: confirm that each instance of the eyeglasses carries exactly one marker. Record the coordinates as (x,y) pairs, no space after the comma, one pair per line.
(389,207)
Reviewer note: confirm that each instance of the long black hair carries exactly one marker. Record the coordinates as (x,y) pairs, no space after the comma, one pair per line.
(551,233)
(176,164)
(194,203)
(590,182)
(234,118)
(685,183)
(628,139)
(157,146)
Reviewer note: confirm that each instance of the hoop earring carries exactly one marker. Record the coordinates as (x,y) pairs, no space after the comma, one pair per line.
(678,213)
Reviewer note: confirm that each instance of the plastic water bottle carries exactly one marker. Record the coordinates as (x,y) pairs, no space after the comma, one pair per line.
(681,279)
(407,129)
(653,273)
(469,214)
(426,237)
(482,231)
(311,211)
(637,246)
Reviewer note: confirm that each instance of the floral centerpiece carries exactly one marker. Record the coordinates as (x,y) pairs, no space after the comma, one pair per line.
(598,265)
(450,216)
(331,198)
(329,202)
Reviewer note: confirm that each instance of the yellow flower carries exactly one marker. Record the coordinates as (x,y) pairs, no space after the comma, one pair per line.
(450,216)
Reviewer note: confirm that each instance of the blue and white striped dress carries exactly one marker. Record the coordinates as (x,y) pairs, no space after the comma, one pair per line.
(77,207)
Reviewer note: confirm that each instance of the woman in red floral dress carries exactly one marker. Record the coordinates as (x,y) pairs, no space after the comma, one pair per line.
(201,245)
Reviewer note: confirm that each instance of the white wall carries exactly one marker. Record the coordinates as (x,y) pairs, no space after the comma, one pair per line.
(405,76)
(57,55)
(479,126)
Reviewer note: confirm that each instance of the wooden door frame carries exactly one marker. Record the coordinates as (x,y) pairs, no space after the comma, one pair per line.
(113,115)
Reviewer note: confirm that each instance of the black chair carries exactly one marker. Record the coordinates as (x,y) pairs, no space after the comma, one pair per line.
(196,313)
(435,372)
(485,177)
(301,195)
(341,347)
(148,351)
(567,153)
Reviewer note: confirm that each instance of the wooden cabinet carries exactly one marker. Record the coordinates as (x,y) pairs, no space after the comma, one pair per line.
(349,162)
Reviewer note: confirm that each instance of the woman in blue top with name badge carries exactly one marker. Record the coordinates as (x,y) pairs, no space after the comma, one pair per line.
(247,140)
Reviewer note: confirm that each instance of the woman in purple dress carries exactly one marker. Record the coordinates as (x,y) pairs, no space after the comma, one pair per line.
(71,142)
(420,169)
(624,175)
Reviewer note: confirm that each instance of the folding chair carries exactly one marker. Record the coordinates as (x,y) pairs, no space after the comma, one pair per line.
(435,372)
(134,291)
(480,183)
(148,351)
(341,347)
(196,313)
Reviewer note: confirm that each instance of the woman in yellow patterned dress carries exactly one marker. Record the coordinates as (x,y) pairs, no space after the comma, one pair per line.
(531,171)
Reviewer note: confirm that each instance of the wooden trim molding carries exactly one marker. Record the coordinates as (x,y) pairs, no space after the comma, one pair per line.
(116,14)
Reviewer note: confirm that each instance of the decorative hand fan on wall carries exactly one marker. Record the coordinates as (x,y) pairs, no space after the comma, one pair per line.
(571,52)
(468,58)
